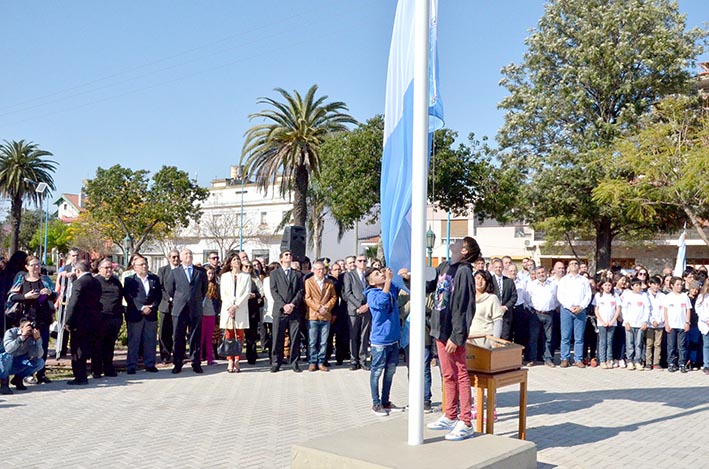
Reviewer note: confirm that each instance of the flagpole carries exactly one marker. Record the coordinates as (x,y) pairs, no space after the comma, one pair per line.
(418,220)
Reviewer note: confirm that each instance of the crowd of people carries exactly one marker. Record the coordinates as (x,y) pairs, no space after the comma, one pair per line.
(352,309)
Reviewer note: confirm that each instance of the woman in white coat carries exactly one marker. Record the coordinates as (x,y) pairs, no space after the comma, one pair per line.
(235,287)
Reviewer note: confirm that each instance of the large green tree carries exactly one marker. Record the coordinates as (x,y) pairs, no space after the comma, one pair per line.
(57,237)
(126,203)
(591,69)
(287,144)
(23,166)
(461,179)
(661,171)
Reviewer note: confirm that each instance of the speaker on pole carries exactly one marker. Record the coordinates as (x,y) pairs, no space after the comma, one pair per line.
(294,241)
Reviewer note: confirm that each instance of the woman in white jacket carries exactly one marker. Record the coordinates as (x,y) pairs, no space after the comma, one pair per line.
(235,287)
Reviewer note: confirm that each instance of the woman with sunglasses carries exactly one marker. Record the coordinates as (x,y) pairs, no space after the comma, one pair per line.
(234,289)
(35,292)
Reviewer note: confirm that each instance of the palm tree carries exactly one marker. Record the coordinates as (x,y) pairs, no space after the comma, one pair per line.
(22,167)
(288,143)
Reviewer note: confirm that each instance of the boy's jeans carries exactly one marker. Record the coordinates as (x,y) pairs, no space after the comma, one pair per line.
(384,359)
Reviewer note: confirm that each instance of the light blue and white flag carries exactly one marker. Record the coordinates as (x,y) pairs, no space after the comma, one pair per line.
(397,165)
(681,263)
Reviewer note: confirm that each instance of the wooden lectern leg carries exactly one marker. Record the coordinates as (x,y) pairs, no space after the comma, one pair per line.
(523,409)
(479,409)
(491,398)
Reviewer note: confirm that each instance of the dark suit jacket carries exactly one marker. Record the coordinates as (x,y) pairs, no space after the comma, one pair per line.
(287,290)
(508,297)
(163,272)
(353,292)
(186,295)
(136,297)
(84,303)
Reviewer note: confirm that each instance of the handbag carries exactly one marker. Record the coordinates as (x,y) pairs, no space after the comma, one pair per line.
(229,347)
(14,313)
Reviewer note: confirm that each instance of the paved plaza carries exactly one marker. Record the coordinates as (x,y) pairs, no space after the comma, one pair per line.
(588,418)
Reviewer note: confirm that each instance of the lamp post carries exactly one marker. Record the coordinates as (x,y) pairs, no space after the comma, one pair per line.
(126,249)
(430,241)
(43,189)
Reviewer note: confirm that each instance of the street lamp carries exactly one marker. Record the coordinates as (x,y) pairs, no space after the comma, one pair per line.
(43,189)
(126,248)
(430,241)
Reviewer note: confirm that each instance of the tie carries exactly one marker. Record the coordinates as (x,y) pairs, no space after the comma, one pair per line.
(499,284)
(287,273)
(188,270)
(361,279)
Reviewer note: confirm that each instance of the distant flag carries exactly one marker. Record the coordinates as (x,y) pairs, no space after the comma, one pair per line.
(397,164)
(681,263)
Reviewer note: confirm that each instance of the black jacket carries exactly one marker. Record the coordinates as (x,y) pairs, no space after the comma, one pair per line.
(136,297)
(454,302)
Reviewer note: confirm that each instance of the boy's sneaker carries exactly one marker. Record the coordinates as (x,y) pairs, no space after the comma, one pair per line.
(621,363)
(594,363)
(443,423)
(671,368)
(427,408)
(391,407)
(657,367)
(683,369)
(460,432)
(379,411)
(639,367)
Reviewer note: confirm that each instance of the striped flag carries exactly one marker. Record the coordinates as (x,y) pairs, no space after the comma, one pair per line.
(397,166)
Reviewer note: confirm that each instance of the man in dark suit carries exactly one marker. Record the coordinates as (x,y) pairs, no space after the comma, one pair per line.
(81,317)
(506,291)
(186,285)
(288,292)
(358,312)
(143,293)
(165,308)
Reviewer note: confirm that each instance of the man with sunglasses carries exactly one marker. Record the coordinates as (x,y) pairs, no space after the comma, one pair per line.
(358,312)
(165,308)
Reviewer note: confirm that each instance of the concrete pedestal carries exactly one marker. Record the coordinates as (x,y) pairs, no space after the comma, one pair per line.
(384,445)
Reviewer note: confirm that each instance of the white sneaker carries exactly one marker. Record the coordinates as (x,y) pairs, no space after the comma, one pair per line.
(443,423)
(460,432)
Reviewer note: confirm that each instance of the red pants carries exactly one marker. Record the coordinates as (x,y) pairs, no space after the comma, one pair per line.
(456,383)
(240,335)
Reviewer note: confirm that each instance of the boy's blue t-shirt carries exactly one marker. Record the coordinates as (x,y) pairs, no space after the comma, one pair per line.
(386,328)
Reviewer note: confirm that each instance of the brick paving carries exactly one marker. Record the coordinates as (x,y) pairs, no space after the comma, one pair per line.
(588,418)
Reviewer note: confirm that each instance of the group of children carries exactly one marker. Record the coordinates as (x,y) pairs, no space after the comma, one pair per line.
(650,318)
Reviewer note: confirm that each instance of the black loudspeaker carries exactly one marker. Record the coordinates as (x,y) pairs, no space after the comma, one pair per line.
(294,241)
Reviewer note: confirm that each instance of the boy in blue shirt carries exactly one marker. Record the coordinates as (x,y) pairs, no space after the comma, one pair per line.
(384,338)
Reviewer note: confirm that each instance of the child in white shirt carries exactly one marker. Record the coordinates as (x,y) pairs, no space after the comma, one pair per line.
(656,325)
(677,308)
(636,314)
(607,313)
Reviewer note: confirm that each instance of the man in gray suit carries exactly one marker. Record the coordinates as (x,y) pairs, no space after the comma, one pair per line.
(186,285)
(165,308)
(287,289)
(358,312)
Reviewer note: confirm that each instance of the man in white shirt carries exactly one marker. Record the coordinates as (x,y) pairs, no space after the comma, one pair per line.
(573,294)
(541,294)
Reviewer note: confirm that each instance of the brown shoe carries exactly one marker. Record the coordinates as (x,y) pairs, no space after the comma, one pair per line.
(312,368)
(579,365)
(564,364)
(550,364)
(323,368)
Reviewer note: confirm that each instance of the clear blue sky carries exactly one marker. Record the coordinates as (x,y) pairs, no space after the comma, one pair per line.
(172,82)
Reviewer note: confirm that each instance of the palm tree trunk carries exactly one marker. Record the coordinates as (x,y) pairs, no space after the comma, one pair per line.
(16,219)
(300,203)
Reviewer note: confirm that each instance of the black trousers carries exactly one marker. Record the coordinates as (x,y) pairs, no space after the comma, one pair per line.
(251,335)
(105,335)
(507,325)
(360,328)
(520,326)
(187,328)
(293,324)
(165,335)
(339,339)
(266,337)
(80,347)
